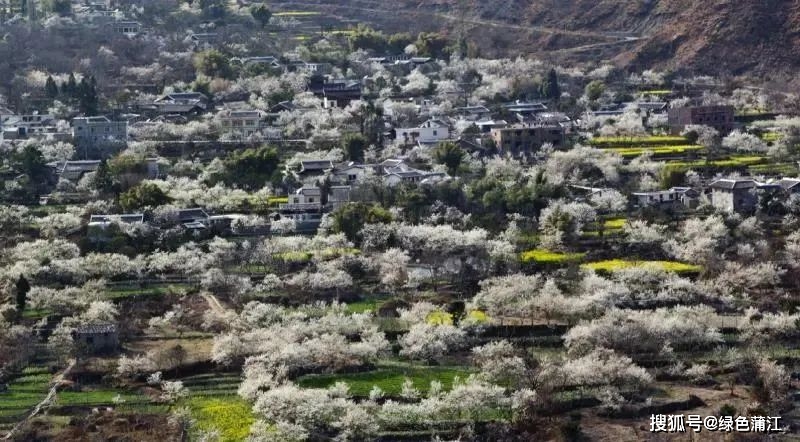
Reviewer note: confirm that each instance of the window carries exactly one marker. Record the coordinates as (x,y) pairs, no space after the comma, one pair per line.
(296,200)
(352,177)
(435,133)
(311,200)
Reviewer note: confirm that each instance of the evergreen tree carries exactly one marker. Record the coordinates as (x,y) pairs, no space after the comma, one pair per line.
(450,155)
(23,287)
(262,14)
(51,88)
(354,147)
(102,178)
(87,96)
(550,88)
(70,87)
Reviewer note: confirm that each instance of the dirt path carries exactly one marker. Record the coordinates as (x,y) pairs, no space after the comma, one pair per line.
(213,303)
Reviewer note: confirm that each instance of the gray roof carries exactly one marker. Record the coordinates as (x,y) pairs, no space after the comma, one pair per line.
(126,218)
(730,184)
(192,214)
(789,183)
(316,165)
(309,191)
(94,329)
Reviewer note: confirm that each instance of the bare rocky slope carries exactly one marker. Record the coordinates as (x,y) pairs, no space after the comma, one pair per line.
(730,37)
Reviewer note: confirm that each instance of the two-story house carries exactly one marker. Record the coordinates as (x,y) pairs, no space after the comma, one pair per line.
(243,122)
(430,132)
(99,133)
(527,138)
(734,195)
(718,117)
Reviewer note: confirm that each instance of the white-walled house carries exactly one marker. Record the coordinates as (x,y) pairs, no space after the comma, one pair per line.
(349,173)
(243,122)
(431,131)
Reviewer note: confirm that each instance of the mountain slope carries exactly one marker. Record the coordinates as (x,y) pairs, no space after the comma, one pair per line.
(729,37)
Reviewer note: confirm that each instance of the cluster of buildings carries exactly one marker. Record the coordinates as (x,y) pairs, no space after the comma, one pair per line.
(732,195)
(92,136)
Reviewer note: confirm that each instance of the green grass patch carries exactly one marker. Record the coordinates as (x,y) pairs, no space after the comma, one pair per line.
(657,92)
(613,265)
(366,305)
(300,257)
(33,313)
(631,152)
(638,142)
(275,200)
(771,136)
(24,392)
(541,256)
(130,400)
(438,317)
(614,223)
(232,416)
(389,378)
(122,292)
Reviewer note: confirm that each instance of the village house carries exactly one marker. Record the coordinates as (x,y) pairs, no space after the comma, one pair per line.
(18,127)
(790,185)
(97,134)
(314,168)
(734,195)
(268,61)
(338,92)
(100,338)
(397,172)
(182,103)
(97,229)
(127,28)
(670,198)
(305,208)
(430,132)
(243,122)
(349,173)
(527,138)
(586,193)
(74,170)
(203,40)
(718,117)
(473,113)
(193,219)
(524,112)
(338,196)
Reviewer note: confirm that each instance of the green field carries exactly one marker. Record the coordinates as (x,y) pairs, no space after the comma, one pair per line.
(541,256)
(613,265)
(215,405)
(366,305)
(389,378)
(656,92)
(121,292)
(638,142)
(630,152)
(614,223)
(230,415)
(90,398)
(771,137)
(24,392)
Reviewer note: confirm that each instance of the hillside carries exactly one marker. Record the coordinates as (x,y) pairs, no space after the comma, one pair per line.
(711,36)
